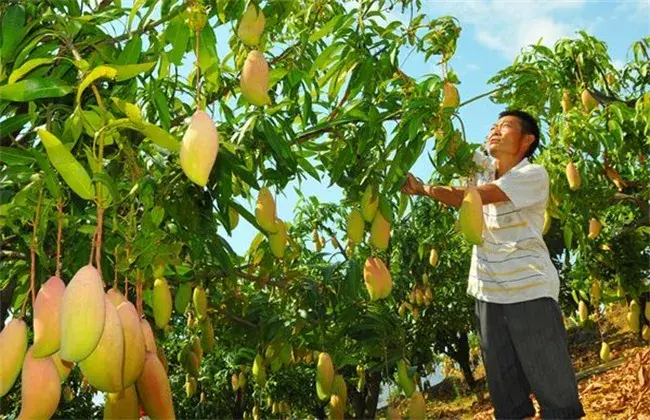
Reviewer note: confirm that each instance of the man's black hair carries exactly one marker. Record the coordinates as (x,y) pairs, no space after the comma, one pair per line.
(528,126)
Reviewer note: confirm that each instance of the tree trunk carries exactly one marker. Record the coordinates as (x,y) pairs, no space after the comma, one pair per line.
(374,382)
(238,409)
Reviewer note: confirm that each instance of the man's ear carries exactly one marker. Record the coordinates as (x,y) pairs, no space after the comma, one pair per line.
(526,141)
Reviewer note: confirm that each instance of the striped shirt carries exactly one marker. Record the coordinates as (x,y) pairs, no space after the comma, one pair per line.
(513,264)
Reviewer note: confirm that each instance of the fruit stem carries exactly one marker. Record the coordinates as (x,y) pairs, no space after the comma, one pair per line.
(138,291)
(100,208)
(115,270)
(481,96)
(32,252)
(198,72)
(59,234)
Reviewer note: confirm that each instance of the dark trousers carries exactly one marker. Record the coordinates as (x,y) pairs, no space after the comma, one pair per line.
(524,347)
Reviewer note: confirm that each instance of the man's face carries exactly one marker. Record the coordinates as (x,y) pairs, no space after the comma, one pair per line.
(506,138)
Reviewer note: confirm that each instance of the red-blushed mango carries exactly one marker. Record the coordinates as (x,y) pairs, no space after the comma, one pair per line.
(594,228)
(83,313)
(340,388)
(200,300)
(154,390)
(393,413)
(379,232)
(369,203)
(254,82)
(265,211)
(417,407)
(573,176)
(199,148)
(40,388)
(450,97)
(588,101)
(251,26)
(62,366)
(377,278)
(163,359)
(149,338)
(47,318)
(336,408)
(278,241)
(134,343)
(324,376)
(13,346)
(122,405)
(470,217)
(355,228)
(104,367)
(115,297)
(162,302)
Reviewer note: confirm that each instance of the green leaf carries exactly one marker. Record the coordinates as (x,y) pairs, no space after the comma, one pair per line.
(15,156)
(177,34)
(162,106)
(127,71)
(31,89)
(26,68)
(325,29)
(96,73)
(51,181)
(308,167)
(13,23)
(131,52)
(160,137)
(568,236)
(68,167)
(15,123)
(385,208)
(107,181)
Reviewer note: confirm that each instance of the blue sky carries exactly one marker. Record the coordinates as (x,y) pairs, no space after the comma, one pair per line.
(493,33)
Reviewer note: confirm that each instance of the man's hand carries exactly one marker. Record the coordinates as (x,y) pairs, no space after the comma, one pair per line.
(412,185)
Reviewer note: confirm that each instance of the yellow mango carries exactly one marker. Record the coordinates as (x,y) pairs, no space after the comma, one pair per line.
(471,217)
(62,366)
(450,97)
(265,211)
(645,333)
(588,101)
(547,222)
(379,232)
(83,314)
(200,300)
(259,370)
(646,312)
(147,333)
(104,367)
(251,26)
(278,241)
(604,352)
(154,390)
(199,148)
(583,311)
(595,290)
(207,334)
(355,228)
(633,322)
(134,343)
(254,81)
(13,346)
(336,408)
(433,258)
(40,390)
(573,176)
(162,302)
(417,407)
(340,388)
(115,297)
(635,308)
(234,382)
(47,318)
(122,405)
(196,348)
(566,101)
(190,386)
(369,203)
(594,228)
(324,376)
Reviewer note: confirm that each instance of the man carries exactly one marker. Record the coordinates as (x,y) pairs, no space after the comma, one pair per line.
(518,319)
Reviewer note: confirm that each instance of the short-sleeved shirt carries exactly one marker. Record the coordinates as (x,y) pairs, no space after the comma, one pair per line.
(513,263)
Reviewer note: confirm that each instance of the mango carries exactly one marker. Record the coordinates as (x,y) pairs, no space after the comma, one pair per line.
(163,359)
(278,241)
(182,298)
(207,335)
(251,26)
(377,278)
(254,81)
(324,376)
(196,347)
(646,312)
(645,333)
(199,148)
(547,222)
(604,352)
(635,308)
(200,301)
(190,386)
(62,367)
(233,218)
(40,390)
(583,311)
(154,390)
(594,228)
(147,333)
(104,367)
(369,203)
(265,211)
(122,405)
(83,314)
(379,232)
(234,381)
(433,258)
(450,97)
(471,217)
(615,177)
(633,322)
(361,373)
(13,346)
(340,388)
(162,302)
(588,101)
(134,343)
(393,413)
(573,176)
(403,379)
(595,290)
(242,379)
(417,407)
(259,370)
(47,318)
(335,408)
(566,101)
(115,297)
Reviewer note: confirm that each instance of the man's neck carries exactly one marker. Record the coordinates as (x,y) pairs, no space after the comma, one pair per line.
(504,163)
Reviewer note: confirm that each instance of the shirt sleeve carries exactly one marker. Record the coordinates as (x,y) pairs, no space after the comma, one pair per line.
(525,186)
